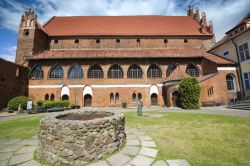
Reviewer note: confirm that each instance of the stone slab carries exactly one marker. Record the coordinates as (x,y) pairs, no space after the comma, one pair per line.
(118,159)
(148,152)
(131,136)
(132,130)
(10,148)
(21,158)
(5,156)
(140,133)
(131,150)
(148,143)
(28,142)
(26,149)
(12,141)
(142,161)
(133,142)
(4,163)
(31,163)
(178,162)
(145,138)
(160,163)
(99,163)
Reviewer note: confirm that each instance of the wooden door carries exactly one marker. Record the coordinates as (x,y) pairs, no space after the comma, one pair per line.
(87,100)
(154,100)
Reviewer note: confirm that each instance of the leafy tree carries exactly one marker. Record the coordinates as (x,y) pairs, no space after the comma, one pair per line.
(14,102)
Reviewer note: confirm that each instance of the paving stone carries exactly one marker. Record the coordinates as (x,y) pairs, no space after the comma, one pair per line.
(12,141)
(178,162)
(5,156)
(148,143)
(10,148)
(3,163)
(148,152)
(2,140)
(28,142)
(133,130)
(31,163)
(2,145)
(99,163)
(160,163)
(21,158)
(140,133)
(118,159)
(26,149)
(142,161)
(130,150)
(133,142)
(131,136)
(145,138)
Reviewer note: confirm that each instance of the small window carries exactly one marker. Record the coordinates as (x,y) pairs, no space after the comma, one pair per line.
(56,41)
(117,40)
(226,53)
(46,97)
(185,40)
(97,41)
(2,79)
(236,32)
(52,97)
(117,97)
(138,40)
(134,98)
(242,28)
(139,97)
(247,80)
(76,40)
(111,98)
(26,32)
(231,35)
(165,41)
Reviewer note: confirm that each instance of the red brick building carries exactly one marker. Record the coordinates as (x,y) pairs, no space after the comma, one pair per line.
(104,61)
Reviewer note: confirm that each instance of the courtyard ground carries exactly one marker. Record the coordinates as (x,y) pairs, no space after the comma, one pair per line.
(201,137)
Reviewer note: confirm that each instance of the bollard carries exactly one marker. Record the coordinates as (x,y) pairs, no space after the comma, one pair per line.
(139,109)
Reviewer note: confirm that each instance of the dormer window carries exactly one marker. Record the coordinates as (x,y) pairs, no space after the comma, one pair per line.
(236,32)
(185,40)
(26,32)
(97,41)
(242,28)
(56,41)
(117,40)
(77,41)
(231,35)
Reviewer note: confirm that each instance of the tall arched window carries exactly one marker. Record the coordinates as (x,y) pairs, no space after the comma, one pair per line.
(192,70)
(117,97)
(52,97)
(36,73)
(111,98)
(95,72)
(154,71)
(170,69)
(139,97)
(134,98)
(75,72)
(56,72)
(115,72)
(135,71)
(230,82)
(46,97)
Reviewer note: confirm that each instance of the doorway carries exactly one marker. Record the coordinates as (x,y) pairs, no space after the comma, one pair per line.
(154,100)
(176,99)
(87,100)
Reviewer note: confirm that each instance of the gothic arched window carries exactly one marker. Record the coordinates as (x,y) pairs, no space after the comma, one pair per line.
(36,73)
(192,70)
(95,72)
(170,69)
(154,71)
(75,72)
(115,71)
(56,72)
(135,71)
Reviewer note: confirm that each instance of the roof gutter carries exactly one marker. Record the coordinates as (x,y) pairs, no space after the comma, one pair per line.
(241,79)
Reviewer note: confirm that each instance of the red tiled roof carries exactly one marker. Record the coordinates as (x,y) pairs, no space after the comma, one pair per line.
(128,53)
(123,26)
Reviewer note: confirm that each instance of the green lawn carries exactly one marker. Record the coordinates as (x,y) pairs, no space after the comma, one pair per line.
(201,139)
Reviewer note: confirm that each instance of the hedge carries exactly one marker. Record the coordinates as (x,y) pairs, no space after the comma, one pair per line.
(50,104)
(14,102)
(190,93)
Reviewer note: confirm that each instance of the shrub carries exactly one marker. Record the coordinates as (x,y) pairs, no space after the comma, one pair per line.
(50,104)
(190,93)
(74,106)
(39,103)
(14,102)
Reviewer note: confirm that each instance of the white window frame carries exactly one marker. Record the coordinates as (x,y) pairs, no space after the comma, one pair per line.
(246,79)
(245,59)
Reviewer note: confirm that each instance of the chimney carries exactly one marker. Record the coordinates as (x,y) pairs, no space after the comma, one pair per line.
(203,22)
(211,28)
(190,11)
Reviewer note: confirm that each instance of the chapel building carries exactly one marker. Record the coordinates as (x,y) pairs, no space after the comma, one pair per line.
(107,61)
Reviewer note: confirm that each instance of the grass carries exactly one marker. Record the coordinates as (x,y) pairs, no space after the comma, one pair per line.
(19,129)
(200,139)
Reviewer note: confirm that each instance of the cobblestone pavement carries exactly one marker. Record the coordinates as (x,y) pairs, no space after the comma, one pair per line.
(140,150)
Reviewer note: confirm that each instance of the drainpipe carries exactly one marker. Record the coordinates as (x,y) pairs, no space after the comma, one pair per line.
(241,79)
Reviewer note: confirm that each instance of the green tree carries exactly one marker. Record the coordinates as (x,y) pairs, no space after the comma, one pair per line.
(14,102)
(190,93)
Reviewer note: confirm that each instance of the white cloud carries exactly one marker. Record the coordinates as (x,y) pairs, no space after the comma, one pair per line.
(8,53)
(224,13)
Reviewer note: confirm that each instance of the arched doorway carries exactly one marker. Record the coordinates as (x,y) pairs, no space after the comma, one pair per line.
(176,99)
(154,100)
(87,100)
(65,97)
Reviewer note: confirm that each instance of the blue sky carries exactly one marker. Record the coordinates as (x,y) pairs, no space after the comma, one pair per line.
(224,13)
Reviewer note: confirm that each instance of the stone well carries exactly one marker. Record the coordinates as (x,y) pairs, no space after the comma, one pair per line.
(78,141)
